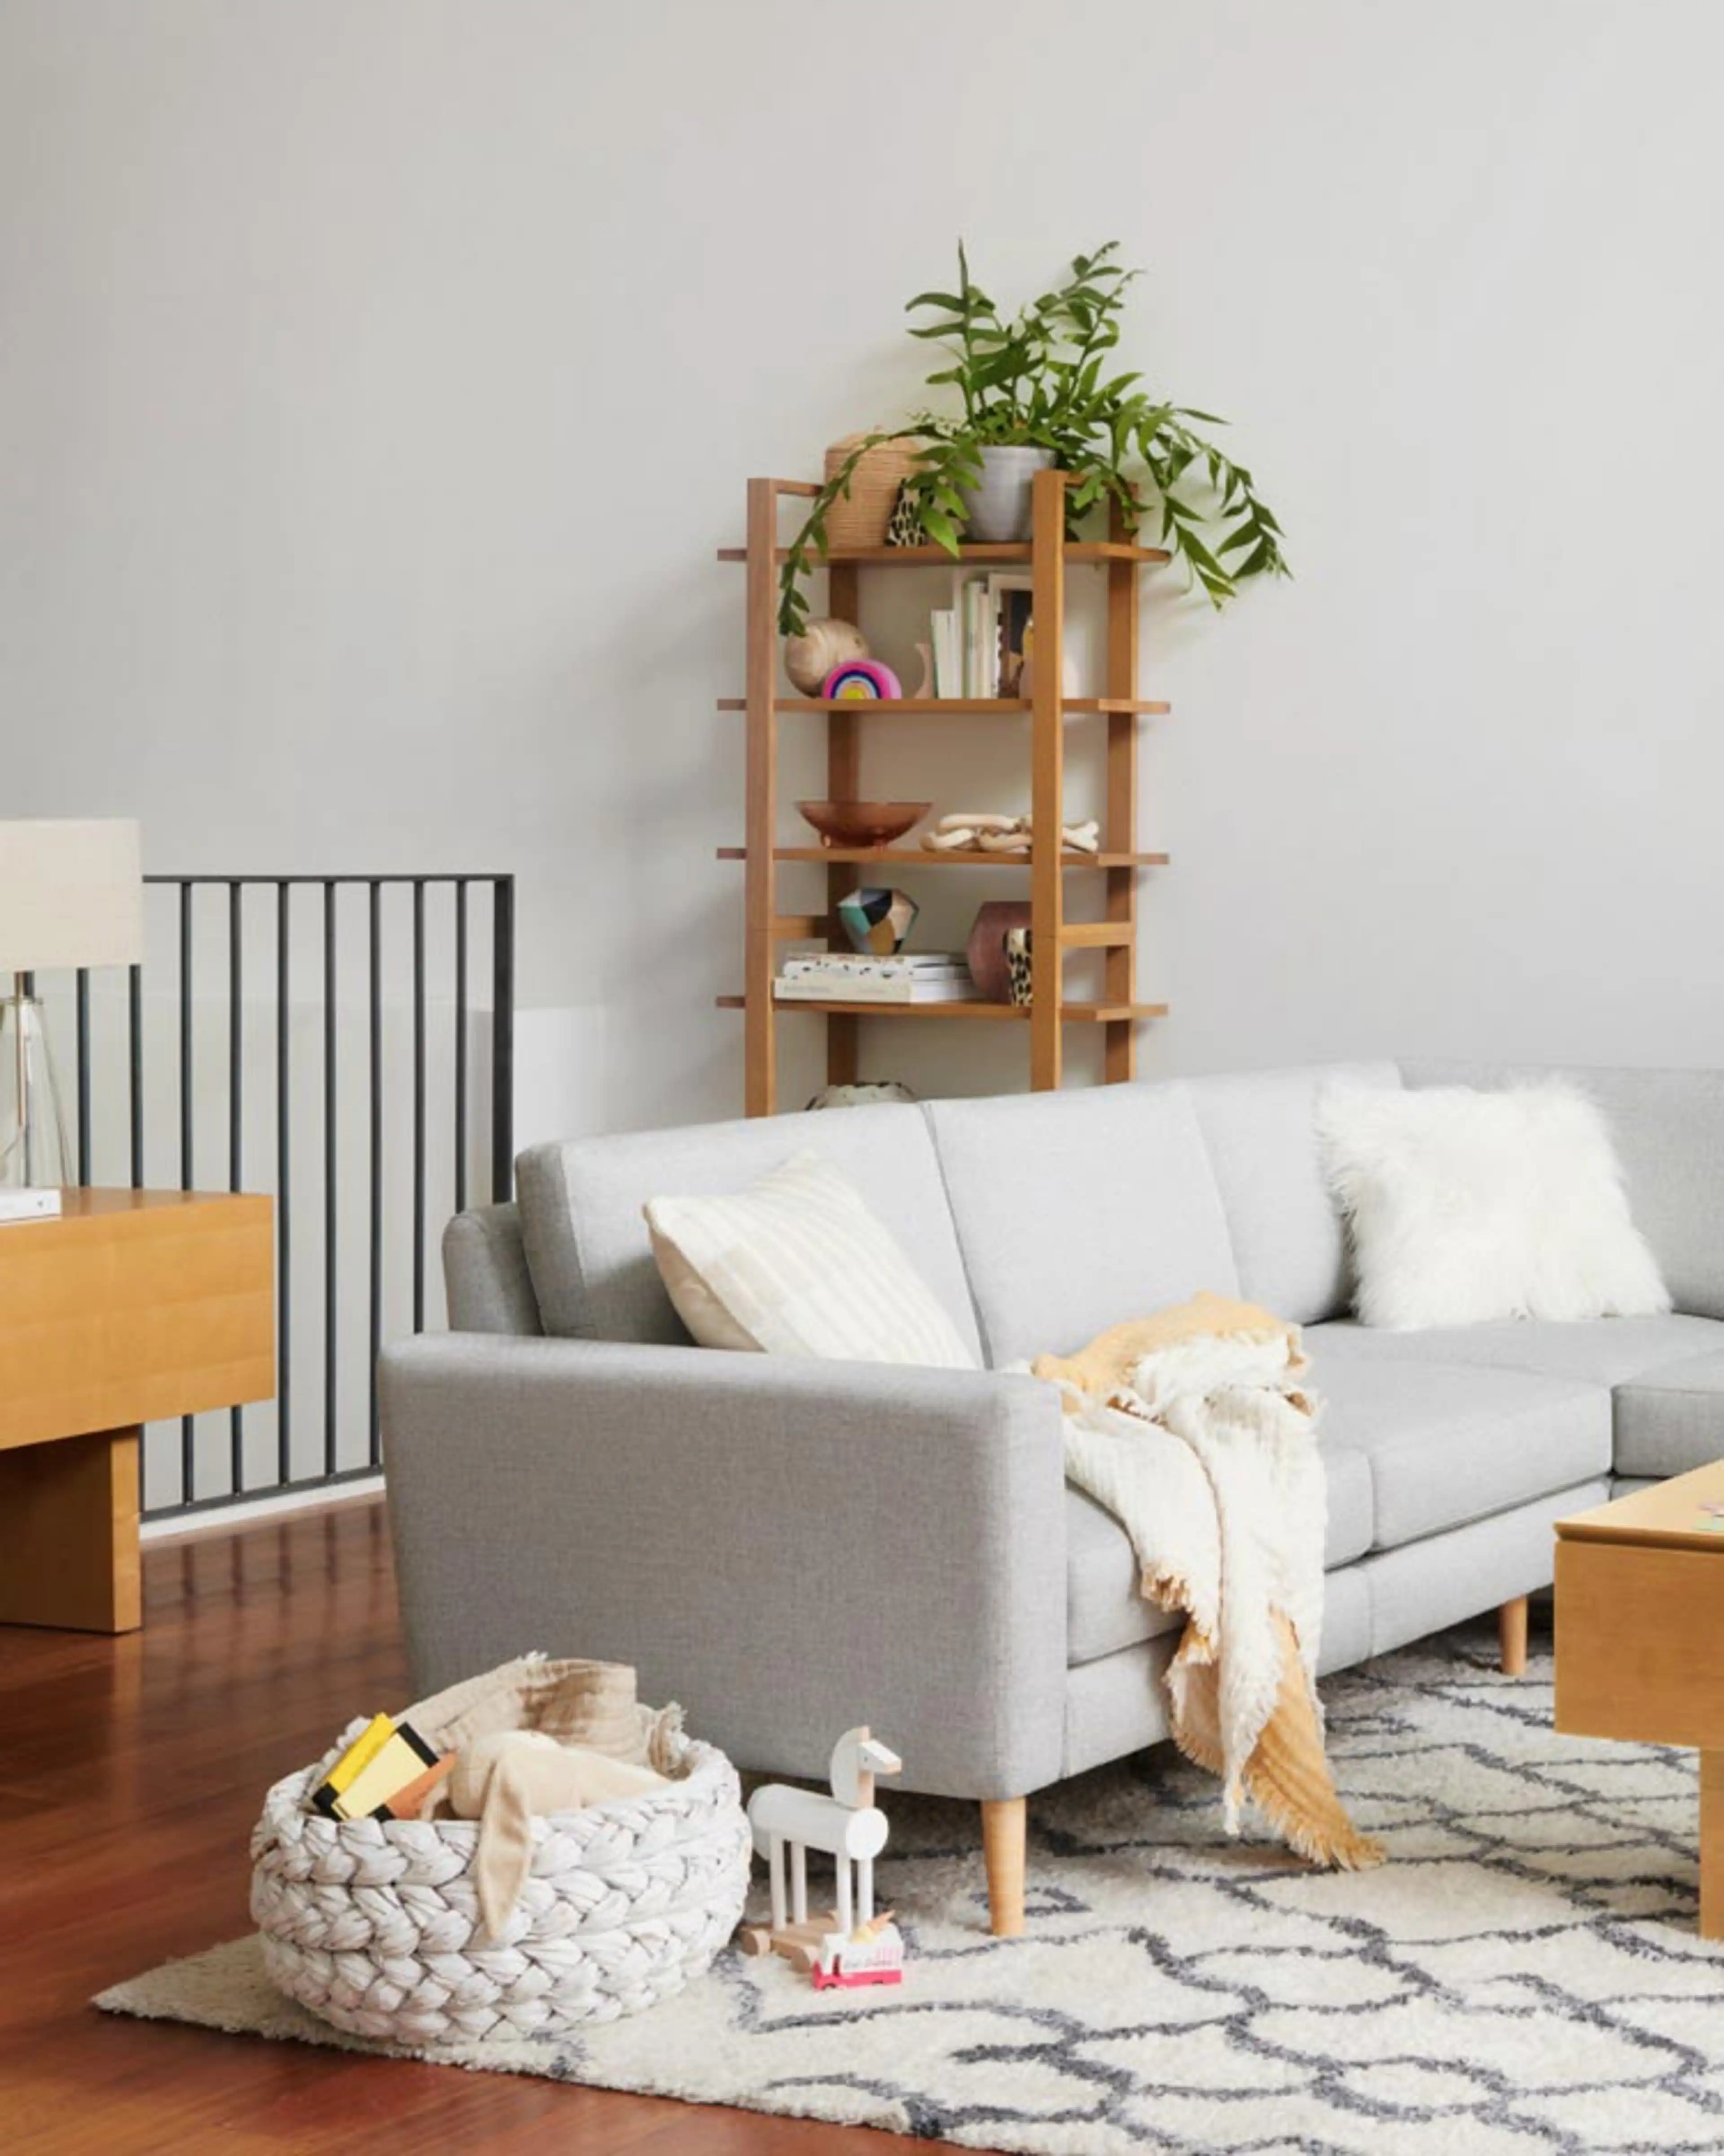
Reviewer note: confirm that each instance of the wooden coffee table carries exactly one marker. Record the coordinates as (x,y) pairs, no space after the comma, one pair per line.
(1640,1638)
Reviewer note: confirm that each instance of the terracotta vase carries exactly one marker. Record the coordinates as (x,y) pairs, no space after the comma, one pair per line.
(986,950)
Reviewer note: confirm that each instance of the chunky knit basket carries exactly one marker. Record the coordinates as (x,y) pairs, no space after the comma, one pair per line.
(369,1923)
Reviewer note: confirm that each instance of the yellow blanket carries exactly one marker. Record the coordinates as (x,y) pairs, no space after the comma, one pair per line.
(1194,1426)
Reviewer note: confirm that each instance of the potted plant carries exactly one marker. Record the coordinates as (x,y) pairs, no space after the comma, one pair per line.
(1033,391)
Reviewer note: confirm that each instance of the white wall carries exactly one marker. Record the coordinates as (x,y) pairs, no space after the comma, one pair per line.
(378,376)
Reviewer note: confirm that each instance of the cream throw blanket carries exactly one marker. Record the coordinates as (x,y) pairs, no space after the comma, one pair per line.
(1194,1428)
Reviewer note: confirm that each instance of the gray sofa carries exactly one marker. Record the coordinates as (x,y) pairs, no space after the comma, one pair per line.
(791,1547)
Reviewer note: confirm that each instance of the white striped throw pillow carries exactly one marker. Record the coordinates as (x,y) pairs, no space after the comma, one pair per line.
(797,1264)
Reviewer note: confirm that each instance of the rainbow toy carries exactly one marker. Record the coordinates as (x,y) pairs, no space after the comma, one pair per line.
(861,680)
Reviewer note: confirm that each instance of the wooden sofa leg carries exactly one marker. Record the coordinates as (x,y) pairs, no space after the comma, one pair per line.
(1511,1634)
(1004,1831)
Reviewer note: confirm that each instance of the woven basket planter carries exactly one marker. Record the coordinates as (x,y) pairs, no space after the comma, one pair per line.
(370,1924)
(861,518)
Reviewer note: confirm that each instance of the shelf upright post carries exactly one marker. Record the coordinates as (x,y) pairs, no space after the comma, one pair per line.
(1047,777)
(761,1063)
(1120,831)
(844,783)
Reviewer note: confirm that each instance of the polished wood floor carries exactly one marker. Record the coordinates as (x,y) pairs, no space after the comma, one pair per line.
(130,1771)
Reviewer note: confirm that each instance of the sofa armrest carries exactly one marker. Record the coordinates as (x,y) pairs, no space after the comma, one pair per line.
(787,1547)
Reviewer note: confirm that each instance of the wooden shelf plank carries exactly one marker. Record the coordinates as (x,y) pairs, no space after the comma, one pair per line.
(1097,934)
(1072,1013)
(943,707)
(915,857)
(936,558)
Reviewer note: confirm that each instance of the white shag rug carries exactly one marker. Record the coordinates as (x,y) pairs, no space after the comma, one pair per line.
(1523,1975)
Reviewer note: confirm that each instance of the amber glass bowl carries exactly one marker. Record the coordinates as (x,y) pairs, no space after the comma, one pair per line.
(862,823)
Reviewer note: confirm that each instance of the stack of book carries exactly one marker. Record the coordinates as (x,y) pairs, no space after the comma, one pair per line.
(387,1772)
(965,652)
(977,643)
(847,976)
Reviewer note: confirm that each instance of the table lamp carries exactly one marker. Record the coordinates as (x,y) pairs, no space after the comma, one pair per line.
(71,895)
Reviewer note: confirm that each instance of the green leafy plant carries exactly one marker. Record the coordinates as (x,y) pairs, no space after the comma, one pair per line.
(1039,378)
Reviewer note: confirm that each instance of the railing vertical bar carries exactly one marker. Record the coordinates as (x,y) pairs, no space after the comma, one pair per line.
(134,1050)
(236,1136)
(83,996)
(375,1448)
(418,1105)
(188,1480)
(329,1177)
(135,1116)
(283,1191)
(503,1040)
(460,1043)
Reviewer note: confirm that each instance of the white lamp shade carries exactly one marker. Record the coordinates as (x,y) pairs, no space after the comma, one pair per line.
(71,894)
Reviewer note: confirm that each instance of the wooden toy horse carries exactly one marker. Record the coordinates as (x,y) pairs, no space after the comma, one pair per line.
(846,1826)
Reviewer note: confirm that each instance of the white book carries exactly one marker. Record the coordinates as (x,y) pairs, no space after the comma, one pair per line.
(28,1205)
(887,963)
(813,989)
(942,629)
(975,605)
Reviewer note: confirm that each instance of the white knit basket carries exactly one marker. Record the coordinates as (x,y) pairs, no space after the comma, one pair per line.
(369,1923)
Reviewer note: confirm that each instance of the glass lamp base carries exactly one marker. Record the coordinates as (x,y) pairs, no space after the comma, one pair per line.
(33,1151)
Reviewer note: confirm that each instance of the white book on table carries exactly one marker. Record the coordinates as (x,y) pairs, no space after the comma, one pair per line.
(28,1205)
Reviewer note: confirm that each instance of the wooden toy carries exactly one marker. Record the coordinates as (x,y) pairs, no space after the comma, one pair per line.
(872,1953)
(861,680)
(787,1823)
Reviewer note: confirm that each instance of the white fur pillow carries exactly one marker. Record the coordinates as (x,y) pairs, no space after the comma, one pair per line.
(1465,1206)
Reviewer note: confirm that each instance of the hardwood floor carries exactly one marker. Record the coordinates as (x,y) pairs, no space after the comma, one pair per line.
(130,1772)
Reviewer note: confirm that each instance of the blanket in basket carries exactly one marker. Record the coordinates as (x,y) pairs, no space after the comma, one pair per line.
(1195,1430)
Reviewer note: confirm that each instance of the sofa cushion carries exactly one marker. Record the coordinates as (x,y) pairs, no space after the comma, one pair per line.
(1289,1243)
(1424,1586)
(1668,1130)
(1104,1610)
(1601,1351)
(587,1242)
(798,1264)
(1077,1210)
(1672,1418)
(1448,1443)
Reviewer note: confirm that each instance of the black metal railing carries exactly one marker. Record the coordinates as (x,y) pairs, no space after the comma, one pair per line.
(312,1077)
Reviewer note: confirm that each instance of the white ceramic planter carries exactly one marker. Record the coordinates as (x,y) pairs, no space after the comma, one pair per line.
(997,508)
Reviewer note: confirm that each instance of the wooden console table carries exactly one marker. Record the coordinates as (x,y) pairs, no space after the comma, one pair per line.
(133,1306)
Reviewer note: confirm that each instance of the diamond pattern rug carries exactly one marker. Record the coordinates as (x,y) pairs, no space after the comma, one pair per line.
(1523,1975)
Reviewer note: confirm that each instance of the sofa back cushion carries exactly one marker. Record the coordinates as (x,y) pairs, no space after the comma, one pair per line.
(1668,1130)
(1289,1240)
(587,1241)
(1077,1210)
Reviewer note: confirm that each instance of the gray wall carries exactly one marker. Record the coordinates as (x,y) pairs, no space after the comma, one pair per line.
(378,376)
